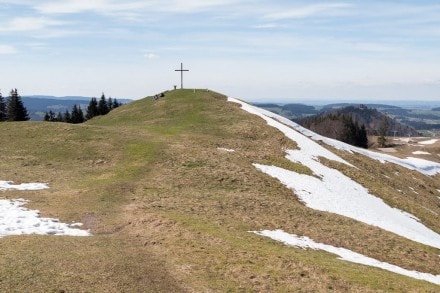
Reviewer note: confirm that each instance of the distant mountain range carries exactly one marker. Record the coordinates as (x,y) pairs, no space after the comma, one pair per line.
(38,105)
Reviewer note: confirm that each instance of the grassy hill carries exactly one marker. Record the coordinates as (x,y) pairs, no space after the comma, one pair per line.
(171,211)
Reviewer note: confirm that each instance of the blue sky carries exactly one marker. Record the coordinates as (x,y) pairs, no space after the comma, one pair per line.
(254,50)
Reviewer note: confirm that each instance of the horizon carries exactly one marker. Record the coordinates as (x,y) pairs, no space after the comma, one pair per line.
(410,103)
(311,50)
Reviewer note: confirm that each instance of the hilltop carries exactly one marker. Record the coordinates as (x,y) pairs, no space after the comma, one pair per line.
(171,190)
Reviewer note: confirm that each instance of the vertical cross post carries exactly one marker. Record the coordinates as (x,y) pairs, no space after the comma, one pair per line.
(181,74)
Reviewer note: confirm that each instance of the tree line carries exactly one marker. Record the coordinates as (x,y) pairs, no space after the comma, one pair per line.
(95,108)
(12,108)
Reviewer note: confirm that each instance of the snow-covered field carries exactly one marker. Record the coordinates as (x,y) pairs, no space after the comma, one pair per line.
(17,220)
(345,254)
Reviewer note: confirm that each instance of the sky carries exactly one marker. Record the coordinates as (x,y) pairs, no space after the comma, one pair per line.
(254,50)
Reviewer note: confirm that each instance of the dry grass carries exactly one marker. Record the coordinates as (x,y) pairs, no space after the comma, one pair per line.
(172,213)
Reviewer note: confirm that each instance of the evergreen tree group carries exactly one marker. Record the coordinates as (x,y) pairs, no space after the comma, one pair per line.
(337,125)
(95,108)
(12,109)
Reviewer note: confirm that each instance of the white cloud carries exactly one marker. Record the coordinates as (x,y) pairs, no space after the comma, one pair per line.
(267,26)
(6,49)
(151,56)
(308,11)
(131,7)
(98,6)
(22,24)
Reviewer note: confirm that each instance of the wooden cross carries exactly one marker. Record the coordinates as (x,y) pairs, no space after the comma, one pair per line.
(181,74)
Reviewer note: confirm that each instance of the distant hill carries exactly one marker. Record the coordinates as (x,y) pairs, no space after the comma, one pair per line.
(436,109)
(331,121)
(37,106)
(291,111)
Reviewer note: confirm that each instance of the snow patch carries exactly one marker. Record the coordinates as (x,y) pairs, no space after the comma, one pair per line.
(339,194)
(420,153)
(8,185)
(226,150)
(427,142)
(345,254)
(16,220)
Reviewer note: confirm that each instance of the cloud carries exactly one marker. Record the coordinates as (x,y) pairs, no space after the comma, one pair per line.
(6,49)
(78,6)
(151,56)
(131,7)
(301,12)
(22,24)
(266,26)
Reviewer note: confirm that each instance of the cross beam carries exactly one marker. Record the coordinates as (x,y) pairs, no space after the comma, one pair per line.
(181,74)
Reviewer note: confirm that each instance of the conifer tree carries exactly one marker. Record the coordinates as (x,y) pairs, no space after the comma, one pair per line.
(92,109)
(3,113)
(110,103)
(103,108)
(383,131)
(363,138)
(15,108)
(67,117)
(115,104)
(49,116)
(77,115)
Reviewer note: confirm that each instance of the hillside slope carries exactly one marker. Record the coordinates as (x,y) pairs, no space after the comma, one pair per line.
(170,193)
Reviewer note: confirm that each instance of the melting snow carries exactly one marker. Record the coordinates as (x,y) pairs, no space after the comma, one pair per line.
(8,185)
(334,192)
(426,142)
(226,150)
(420,153)
(17,220)
(345,254)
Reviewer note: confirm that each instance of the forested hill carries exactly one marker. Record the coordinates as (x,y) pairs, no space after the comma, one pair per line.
(335,122)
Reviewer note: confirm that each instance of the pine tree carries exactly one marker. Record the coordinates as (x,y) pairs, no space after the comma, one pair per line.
(67,117)
(3,113)
(115,104)
(15,108)
(92,109)
(110,103)
(77,115)
(103,108)
(363,137)
(50,116)
(383,131)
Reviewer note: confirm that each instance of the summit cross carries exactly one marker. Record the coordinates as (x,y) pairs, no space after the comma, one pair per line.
(181,74)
